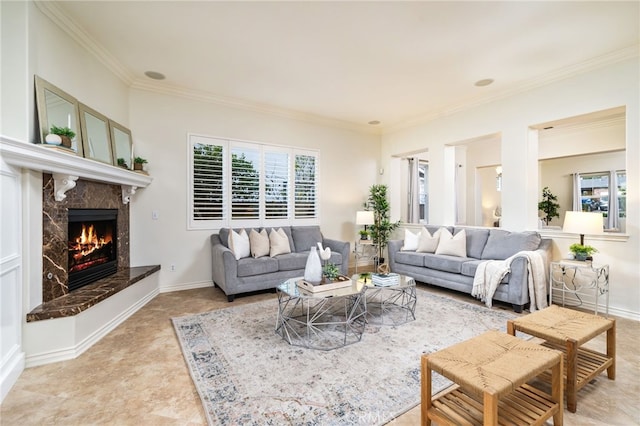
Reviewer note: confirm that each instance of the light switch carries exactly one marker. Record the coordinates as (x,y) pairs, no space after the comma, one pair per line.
(155,215)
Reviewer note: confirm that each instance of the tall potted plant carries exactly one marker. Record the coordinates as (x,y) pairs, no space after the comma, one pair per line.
(382,226)
(549,205)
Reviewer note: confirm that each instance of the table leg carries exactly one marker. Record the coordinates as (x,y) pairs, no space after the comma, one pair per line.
(572,374)
(611,350)
(425,405)
(557,394)
(490,409)
(511,329)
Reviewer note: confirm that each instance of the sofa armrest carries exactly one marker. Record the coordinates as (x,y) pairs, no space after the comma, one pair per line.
(393,247)
(518,280)
(224,266)
(342,247)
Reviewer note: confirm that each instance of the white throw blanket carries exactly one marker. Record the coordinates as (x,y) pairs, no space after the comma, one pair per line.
(491,272)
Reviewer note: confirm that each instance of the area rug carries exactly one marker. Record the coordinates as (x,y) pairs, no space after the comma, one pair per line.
(246,374)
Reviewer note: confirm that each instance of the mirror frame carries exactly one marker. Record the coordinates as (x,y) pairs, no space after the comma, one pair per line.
(84,109)
(41,86)
(113,126)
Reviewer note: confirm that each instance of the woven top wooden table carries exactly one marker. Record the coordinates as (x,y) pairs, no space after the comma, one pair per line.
(490,367)
(567,330)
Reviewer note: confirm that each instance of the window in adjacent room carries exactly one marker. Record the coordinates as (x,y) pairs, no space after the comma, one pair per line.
(604,192)
(236,184)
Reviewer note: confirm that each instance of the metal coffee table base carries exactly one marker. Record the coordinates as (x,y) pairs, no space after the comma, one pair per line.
(391,305)
(321,323)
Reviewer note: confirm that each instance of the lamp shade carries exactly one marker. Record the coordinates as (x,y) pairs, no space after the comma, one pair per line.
(583,223)
(364,217)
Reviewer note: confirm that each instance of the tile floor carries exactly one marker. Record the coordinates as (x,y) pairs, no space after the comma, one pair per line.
(136,375)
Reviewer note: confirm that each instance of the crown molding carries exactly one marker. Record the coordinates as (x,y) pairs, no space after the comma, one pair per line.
(202,96)
(59,17)
(611,58)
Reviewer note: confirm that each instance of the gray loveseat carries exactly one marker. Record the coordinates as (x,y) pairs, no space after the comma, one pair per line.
(457,273)
(251,274)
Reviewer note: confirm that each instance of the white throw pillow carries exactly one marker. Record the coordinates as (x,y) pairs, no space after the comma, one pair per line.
(410,240)
(279,242)
(428,243)
(259,243)
(239,244)
(453,245)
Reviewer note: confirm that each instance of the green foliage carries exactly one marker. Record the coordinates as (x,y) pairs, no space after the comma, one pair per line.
(140,160)
(364,234)
(122,163)
(580,249)
(382,226)
(549,205)
(330,271)
(63,131)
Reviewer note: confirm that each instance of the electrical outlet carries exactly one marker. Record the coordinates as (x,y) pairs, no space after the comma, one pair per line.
(172,268)
(155,215)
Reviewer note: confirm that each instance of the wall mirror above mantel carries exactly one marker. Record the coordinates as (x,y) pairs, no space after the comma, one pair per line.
(121,145)
(57,108)
(96,139)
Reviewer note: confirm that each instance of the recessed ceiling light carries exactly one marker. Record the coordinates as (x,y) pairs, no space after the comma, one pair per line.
(484,82)
(155,75)
(374,122)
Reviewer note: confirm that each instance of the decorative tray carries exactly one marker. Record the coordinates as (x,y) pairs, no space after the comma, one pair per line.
(340,282)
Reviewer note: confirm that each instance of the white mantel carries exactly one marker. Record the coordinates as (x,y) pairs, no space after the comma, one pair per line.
(66,168)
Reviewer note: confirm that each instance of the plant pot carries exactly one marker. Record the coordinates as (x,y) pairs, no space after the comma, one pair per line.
(137,166)
(66,141)
(581,256)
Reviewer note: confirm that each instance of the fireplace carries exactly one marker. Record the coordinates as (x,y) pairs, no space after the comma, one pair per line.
(92,245)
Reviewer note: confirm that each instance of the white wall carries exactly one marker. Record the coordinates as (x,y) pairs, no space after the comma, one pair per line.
(160,124)
(604,88)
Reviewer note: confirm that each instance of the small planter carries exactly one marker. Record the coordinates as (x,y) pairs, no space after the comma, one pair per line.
(138,166)
(581,256)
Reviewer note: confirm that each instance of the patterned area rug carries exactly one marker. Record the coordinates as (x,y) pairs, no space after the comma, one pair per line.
(247,374)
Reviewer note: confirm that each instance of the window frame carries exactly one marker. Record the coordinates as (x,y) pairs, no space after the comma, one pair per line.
(263,150)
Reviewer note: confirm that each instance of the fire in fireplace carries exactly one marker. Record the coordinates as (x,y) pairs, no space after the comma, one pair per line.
(92,245)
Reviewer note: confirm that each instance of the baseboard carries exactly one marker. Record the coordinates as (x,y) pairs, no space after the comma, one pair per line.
(185,286)
(602,308)
(12,366)
(78,333)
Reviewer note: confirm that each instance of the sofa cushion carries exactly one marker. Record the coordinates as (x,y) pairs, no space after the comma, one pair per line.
(443,262)
(305,237)
(259,243)
(239,244)
(428,243)
(410,258)
(503,244)
(278,242)
(469,269)
(476,240)
(249,266)
(410,240)
(452,245)
(292,261)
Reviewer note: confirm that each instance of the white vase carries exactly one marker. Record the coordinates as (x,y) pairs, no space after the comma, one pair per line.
(313,268)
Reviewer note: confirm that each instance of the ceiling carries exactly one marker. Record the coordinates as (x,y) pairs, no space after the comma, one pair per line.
(354,62)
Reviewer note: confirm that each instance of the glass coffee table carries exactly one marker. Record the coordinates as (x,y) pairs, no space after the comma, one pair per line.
(392,304)
(323,320)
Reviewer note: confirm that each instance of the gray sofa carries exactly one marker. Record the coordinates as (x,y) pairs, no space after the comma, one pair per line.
(457,273)
(251,274)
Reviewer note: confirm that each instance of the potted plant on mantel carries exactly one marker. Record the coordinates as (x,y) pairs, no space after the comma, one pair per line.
(138,163)
(382,226)
(65,133)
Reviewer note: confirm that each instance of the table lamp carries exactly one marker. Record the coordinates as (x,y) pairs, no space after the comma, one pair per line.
(583,223)
(364,217)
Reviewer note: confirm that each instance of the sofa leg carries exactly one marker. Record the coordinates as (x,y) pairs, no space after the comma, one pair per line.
(231,297)
(517,308)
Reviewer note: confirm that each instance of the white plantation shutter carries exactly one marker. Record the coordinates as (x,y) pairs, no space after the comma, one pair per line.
(305,186)
(244,184)
(276,185)
(208,190)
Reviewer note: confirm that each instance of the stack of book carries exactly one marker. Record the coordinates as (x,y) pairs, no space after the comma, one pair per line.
(385,280)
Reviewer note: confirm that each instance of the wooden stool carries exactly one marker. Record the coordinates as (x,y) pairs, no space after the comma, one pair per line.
(567,330)
(490,372)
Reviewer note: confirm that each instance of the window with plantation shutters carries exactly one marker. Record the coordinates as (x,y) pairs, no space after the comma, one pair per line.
(305,186)
(243,184)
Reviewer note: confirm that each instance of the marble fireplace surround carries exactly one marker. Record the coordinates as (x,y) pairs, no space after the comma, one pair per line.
(70,181)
